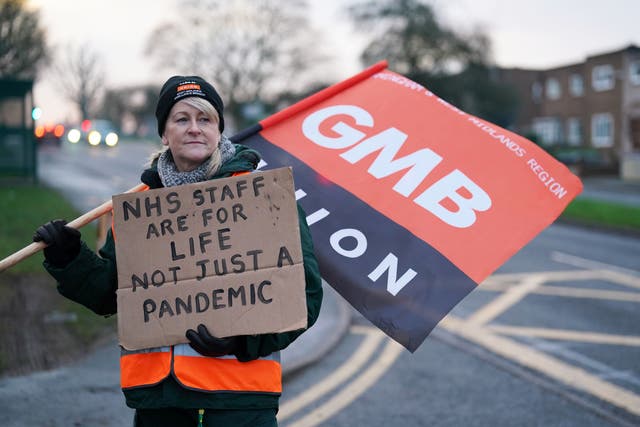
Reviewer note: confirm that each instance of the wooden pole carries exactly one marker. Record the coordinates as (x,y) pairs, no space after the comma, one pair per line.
(79,222)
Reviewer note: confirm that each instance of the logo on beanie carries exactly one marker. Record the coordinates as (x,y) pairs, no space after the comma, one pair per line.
(189,88)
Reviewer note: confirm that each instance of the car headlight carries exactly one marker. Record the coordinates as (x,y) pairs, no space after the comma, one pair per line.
(111,139)
(74,136)
(94,137)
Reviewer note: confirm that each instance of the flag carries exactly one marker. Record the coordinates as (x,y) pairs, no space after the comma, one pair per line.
(411,202)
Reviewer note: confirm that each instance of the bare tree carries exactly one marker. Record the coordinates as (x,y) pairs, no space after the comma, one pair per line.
(80,76)
(250,50)
(22,41)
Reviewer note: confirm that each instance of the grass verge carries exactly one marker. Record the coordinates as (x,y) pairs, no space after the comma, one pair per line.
(605,214)
(23,209)
(39,328)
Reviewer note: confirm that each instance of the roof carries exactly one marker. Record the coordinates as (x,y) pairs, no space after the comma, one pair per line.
(12,88)
(629,48)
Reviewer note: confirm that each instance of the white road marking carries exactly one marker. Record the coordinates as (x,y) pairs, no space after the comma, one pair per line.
(510,297)
(537,356)
(517,286)
(566,335)
(354,388)
(562,372)
(510,278)
(347,369)
(569,292)
(588,263)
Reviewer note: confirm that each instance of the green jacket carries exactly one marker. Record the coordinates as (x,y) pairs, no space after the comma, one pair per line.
(91,280)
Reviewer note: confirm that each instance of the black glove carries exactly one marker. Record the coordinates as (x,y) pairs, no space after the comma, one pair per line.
(63,242)
(207,345)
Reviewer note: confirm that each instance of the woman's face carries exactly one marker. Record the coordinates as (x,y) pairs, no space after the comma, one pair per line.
(191,135)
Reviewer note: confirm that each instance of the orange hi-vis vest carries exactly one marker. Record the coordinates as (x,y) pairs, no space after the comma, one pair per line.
(150,366)
(147,367)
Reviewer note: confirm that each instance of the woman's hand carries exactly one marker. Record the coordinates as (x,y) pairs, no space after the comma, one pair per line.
(63,242)
(208,345)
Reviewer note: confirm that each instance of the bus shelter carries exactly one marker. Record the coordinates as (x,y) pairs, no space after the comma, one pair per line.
(17,142)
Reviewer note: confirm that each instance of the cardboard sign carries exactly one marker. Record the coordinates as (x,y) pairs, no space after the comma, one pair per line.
(225,253)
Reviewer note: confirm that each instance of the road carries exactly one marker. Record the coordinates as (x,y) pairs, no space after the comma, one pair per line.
(551,339)
(75,168)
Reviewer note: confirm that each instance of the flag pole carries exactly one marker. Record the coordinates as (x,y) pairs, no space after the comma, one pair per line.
(79,222)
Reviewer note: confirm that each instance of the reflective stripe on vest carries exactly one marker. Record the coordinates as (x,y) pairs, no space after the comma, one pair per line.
(140,368)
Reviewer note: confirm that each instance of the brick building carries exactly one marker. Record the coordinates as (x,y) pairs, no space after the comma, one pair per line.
(592,104)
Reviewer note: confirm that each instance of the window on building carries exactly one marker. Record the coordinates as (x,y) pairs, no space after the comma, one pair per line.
(576,85)
(536,92)
(602,130)
(548,130)
(634,72)
(554,91)
(574,131)
(603,78)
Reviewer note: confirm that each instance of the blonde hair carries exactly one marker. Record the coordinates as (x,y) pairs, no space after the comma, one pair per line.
(204,106)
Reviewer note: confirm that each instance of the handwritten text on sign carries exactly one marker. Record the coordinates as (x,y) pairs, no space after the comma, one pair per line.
(225,253)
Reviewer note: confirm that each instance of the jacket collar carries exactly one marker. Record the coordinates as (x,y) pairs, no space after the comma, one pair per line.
(245,159)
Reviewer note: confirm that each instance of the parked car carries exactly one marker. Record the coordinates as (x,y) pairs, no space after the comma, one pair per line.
(95,133)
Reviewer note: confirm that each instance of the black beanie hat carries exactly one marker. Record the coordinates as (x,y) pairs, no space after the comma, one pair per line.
(180,87)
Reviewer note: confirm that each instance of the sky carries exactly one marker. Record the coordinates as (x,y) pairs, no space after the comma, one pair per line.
(524,33)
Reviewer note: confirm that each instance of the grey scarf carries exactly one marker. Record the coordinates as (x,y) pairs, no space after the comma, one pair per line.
(171,176)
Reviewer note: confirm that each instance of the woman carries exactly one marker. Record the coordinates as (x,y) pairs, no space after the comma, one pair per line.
(233,381)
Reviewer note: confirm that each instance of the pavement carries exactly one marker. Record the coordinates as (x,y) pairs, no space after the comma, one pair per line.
(611,189)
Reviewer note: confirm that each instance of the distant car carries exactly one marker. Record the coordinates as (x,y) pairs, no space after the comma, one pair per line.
(49,133)
(95,132)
